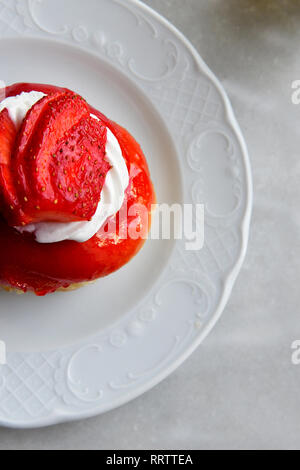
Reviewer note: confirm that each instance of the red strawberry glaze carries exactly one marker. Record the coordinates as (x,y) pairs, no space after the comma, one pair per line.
(43,268)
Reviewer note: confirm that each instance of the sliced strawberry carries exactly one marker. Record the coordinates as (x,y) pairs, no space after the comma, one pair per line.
(73,176)
(58,168)
(30,125)
(9,198)
(77,173)
(44,125)
(7,137)
(79,169)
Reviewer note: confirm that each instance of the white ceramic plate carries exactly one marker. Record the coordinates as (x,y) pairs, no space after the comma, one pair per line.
(74,355)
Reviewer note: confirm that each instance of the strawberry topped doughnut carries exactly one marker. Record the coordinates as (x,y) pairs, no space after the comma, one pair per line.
(75,191)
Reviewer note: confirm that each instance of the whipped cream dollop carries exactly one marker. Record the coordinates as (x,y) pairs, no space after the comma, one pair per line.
(18,106)
(112,194)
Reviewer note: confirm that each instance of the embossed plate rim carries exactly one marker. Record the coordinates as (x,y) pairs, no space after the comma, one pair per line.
(56,416)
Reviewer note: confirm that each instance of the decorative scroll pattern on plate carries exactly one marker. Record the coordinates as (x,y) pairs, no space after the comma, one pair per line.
(44,387)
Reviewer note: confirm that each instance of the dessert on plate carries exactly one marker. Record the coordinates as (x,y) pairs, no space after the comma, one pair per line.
(75,191)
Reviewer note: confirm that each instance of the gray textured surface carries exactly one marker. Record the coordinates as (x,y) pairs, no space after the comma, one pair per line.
(239,390)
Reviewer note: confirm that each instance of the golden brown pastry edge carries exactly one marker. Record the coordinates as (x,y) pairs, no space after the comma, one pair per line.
(75,286)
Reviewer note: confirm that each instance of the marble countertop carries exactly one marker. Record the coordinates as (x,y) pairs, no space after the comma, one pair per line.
(240,388)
